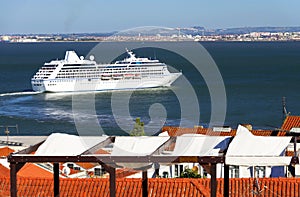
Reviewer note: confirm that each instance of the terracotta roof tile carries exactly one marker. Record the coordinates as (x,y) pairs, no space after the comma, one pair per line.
(124,172)
(156,187)
(5,151)
(290,122)
(101,151)
(177,131)
(262,132)
(4,172)
(32,170)
(87,165)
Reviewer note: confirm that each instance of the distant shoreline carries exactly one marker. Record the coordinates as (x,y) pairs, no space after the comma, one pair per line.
(94,41)
(196,33)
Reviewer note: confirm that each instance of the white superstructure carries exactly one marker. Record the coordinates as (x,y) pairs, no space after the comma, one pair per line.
(78,74)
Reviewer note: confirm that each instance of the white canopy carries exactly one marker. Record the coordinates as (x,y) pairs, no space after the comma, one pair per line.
(199,145)
(60,144)
(137,146)
(250,150)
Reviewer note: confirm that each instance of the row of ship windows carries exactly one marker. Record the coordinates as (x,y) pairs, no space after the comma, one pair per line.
(59,81)
(40,77)
(106,69)
(71,77)
(47,69)
(43,72)
(50,65)
(110,72)
(38,74)
(124,65)
(96,76)
(78,67)
(53,83)
(95,73)
(133,62)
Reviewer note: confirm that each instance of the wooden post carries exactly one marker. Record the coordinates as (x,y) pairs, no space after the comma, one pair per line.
(226,180)
(112,182)
(145,184)
(14,168)
(56,179)
(112,179)
(13,179)
(295,159)
(213,180)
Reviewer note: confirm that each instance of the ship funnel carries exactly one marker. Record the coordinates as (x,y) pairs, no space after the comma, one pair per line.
(71,56)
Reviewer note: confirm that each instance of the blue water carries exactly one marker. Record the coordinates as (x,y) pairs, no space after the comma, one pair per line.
(256,76)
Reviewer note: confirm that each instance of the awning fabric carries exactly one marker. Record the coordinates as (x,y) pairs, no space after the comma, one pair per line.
(199,145)
(137,146)
(247,149)
(61,144)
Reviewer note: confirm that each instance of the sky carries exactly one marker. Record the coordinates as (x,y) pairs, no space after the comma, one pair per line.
(99,16)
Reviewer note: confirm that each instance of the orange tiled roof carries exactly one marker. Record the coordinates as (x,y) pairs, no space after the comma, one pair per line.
(101,151)
(100,187)
(269,187)
(177,131)
(87,165)
(4,172)
(91,165)
(5,151)
(124,172)
(290,122)
(158,187)
(34,171)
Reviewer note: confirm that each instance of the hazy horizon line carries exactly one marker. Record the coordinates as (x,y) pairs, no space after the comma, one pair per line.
(116,31)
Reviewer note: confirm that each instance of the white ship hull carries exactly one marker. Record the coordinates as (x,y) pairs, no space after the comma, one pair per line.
(74,74)
(80,85)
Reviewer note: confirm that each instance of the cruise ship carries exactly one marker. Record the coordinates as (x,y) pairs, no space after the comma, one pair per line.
(76,74)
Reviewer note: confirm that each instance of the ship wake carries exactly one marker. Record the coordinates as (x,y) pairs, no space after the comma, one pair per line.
(19,93)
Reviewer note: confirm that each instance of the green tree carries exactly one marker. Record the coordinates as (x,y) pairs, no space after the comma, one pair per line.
(138,129)
(189,173)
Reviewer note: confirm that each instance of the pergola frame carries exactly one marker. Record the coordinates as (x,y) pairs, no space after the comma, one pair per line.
(17,161)
(109,162)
